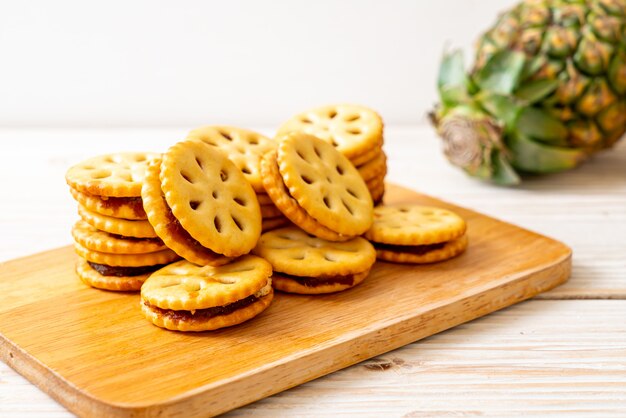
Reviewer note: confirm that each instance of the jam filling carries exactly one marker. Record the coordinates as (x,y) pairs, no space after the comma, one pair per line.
(134,203)
(202,314)
(181,235)
(411,249)
(106,270)
(347,279)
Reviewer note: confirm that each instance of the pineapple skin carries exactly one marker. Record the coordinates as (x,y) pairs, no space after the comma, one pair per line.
(582,45)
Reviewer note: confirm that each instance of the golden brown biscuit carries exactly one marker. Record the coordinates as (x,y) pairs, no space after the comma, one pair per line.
(211,198)
(421,254)
(167,226)
(316,285)
(414,225)
(119,283)
(309,265)
(375,168)
(292,251)
(187,297)
(116,207)
(352,129)
(96,240)
(115,175)
(325,184)
(126,260)
(279,194)
(117,226)
(243,147)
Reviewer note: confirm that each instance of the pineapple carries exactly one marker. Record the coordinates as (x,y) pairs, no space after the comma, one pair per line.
(548,89)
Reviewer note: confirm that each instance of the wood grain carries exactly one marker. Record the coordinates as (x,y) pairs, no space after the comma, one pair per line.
(93,351)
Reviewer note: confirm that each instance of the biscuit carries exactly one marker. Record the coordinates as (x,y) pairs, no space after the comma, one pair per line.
(114,175)
(167,226)
(352,129)
(378,193)
(119,283)
(126,260)
(96,240)
(211,198)
(270,211)
(421,254)
(263,198)
(187,297)
(272,223)
(243,147)
(117,226)
(117,207)
(279,194)
(375,168)
(368,155)
(414,225)
(325,184)
(316,285)
(293,252)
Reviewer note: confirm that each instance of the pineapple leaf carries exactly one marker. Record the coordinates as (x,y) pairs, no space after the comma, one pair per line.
(502,107)
(503,173)
(534,157)
(534,91)
(502,72)
(539,125)
(452,82)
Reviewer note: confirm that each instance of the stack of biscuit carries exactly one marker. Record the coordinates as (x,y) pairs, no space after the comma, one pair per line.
(202,207)
(118,247)
(221,193)
(317,188)
(356,131)
(245,148)
(200,204)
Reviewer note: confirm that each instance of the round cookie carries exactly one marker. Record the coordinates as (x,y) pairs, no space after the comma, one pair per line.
(272,223)
(368,155)
(117,226)
(279,194)
(243,147)
(270,211)
(92,278)
(316,285)
(263,198)
(292,251)
(187,297)
(115,175)
(426,254)
(126,260)
(309,265)
(96,240)
(352,129)
(375,168)
(325,184)
(116,207)
(211,198)
(167,226)
(414,225)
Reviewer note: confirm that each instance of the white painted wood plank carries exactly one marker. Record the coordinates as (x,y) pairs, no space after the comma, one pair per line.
(557,358)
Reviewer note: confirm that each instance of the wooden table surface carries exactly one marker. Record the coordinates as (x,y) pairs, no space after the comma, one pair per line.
(560,354)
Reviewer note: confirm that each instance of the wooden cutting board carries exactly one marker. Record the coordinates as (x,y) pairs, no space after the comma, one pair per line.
(93,352)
